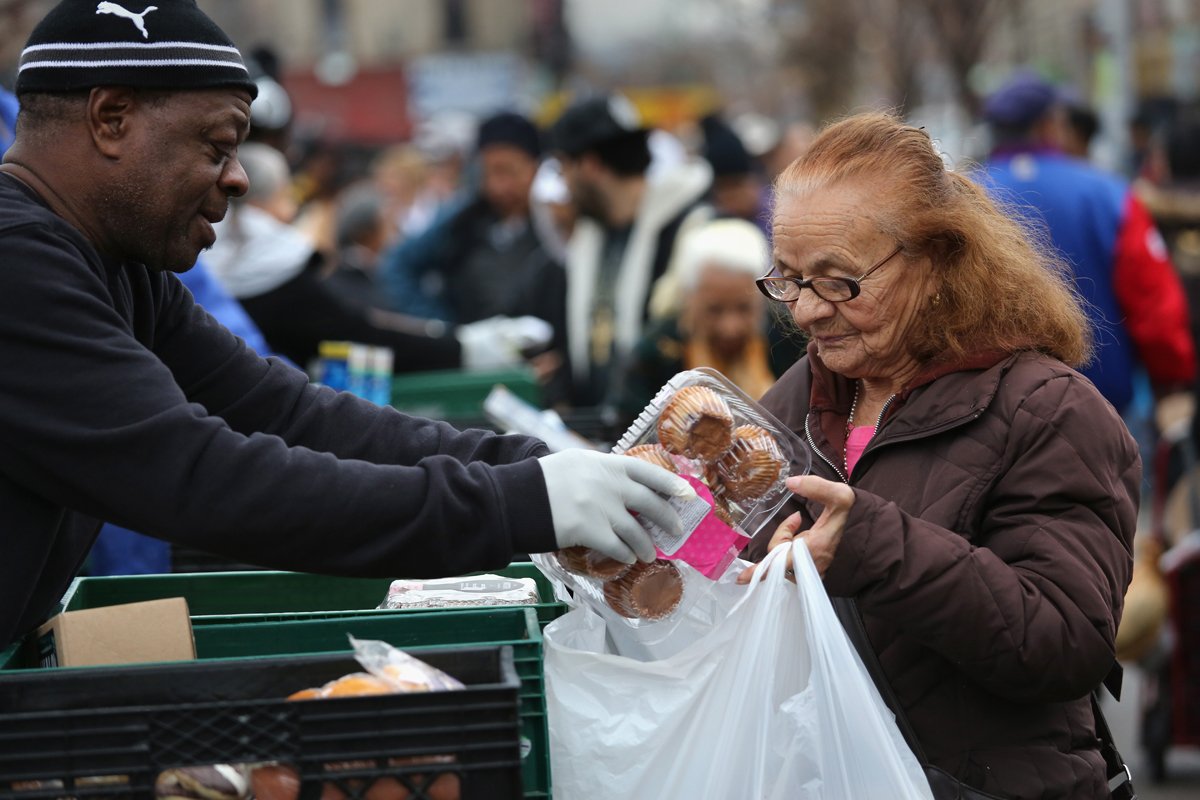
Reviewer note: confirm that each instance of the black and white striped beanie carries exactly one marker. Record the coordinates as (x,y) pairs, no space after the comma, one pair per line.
(161,44)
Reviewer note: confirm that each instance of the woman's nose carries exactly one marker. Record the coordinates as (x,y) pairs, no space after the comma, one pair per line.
(809,307)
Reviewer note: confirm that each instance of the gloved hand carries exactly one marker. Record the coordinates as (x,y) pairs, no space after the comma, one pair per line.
(498,341)
(591,495)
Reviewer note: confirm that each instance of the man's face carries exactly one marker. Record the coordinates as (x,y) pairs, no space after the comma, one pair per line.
(175,175)
(507,177)
(738,196)
(581,177)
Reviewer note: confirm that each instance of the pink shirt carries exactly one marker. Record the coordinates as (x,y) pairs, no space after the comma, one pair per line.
(856,441)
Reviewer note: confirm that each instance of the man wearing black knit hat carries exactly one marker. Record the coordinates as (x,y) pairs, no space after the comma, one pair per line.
(122,400)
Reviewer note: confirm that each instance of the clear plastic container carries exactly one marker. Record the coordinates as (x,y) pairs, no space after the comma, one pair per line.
(735,454)
(746,471)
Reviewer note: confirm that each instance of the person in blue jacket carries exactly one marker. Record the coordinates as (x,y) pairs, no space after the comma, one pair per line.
(1121,265)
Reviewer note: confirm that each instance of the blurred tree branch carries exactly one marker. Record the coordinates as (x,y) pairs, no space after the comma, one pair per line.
(961,29)
(823,47)
(903,40)
(839,41)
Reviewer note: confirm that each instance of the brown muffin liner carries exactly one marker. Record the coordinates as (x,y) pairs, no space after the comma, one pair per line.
(696,423)
(752,466)
(591,564)
(654,454)
(647,591)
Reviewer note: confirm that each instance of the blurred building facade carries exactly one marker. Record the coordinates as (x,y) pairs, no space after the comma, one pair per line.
(792,59)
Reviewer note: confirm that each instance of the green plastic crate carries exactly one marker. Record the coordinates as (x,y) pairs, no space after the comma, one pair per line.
(221,597)
(16,654)
(459,394)
(412,631)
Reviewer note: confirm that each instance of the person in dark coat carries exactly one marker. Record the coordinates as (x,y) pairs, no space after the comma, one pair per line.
(485,258)
(973,497)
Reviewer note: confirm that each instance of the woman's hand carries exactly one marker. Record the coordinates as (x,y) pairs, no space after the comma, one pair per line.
(784,533)
(825,535)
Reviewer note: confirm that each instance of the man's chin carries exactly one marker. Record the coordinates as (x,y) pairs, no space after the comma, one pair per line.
(177,263)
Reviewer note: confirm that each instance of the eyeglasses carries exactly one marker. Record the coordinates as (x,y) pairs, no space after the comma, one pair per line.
(833,290)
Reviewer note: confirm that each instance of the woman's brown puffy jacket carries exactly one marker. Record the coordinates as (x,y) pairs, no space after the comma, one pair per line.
(988,549)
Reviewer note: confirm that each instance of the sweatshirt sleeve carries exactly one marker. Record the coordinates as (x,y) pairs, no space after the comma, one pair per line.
(93,420)
(1031,613)
(304,311)
(256,395)
(1153,300)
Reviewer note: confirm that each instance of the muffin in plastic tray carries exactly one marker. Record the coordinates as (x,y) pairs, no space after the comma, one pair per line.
(701,425)
(651,593)
(735,455)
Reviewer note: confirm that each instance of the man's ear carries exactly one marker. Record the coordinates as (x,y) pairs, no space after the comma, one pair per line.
(110,112)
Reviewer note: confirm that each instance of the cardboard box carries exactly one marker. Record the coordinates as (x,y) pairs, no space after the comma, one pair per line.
(156,630)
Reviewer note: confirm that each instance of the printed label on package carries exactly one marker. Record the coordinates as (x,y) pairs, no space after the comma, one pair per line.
(691,511)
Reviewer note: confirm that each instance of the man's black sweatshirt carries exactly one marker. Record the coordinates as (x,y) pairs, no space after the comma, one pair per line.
(122,400)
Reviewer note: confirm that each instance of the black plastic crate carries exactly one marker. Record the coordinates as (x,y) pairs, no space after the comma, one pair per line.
(64,732)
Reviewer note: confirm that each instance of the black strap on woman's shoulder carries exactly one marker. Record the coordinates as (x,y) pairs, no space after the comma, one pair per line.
(1120,783)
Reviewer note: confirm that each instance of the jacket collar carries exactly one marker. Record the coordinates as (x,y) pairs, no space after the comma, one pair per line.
(970,385)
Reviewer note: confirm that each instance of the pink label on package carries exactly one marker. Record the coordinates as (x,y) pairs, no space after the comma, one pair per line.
(706,541)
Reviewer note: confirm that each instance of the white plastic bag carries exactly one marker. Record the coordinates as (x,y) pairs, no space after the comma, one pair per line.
(771,702)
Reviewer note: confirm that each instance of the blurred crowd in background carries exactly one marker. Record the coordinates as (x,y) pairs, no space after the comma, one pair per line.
(581,188)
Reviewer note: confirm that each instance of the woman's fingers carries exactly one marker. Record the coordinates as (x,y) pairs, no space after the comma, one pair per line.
(784,533)
(786,530)
(827,493)
(836,500)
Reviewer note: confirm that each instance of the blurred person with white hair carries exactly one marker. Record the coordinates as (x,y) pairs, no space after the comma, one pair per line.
(722,319)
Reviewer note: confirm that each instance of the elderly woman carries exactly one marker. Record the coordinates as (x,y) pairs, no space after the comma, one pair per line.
(722,318)
(972,494)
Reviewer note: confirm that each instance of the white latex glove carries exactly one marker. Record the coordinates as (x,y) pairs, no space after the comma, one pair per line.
(591,495)
(498,341)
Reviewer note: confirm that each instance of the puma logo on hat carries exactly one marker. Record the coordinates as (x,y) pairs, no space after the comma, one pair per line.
(84,43)
(139,20)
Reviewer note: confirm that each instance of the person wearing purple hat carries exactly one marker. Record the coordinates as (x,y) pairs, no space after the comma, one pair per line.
(122,400)
(1135,299)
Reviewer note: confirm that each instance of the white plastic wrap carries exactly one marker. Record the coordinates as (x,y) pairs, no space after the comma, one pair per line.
(476,590)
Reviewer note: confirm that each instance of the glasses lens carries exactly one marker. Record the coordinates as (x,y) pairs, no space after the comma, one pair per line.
(781,288)
(835,290)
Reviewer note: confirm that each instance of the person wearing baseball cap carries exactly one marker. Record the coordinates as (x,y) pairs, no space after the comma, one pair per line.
(623,240)
(1120,262)
(123,400)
